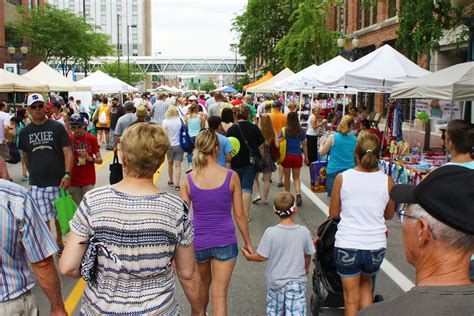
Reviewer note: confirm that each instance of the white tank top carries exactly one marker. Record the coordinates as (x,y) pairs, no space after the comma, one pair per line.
(364,197)
(60,119)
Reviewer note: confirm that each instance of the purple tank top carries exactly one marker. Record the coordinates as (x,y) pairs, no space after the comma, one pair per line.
(212,215)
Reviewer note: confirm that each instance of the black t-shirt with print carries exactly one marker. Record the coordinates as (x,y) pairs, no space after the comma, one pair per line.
(115,113)
(254,137)
(44,146)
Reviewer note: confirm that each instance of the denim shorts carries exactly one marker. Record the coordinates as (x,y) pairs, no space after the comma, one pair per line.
(353,262)
(222,253)
(247,176)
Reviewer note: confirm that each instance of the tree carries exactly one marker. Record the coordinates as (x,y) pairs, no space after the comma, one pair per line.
(260,28)
(137,75)
(308,41)
(241,82)
(208,86)
(55,34)
(423,23)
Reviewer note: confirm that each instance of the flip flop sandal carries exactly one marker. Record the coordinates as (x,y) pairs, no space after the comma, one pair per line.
(171,184)
(177,188)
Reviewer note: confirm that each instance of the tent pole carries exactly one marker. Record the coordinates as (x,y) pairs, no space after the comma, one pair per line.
(301,94)
(357,101)
(411,121)
(344,102)
(451,110)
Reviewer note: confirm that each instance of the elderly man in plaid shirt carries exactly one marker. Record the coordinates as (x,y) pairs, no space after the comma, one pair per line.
(25,238)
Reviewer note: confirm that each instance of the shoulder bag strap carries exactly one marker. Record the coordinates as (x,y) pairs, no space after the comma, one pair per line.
(245,139)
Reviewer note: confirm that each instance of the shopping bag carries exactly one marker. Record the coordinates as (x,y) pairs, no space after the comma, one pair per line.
(282,148)
(66,208)
(116,172)
(14,156)
(317,173)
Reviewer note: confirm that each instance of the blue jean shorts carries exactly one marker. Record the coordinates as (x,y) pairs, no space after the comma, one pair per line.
(222,253)
(353,262)
(247,176)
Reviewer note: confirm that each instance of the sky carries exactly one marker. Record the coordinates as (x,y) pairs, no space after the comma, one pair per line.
(194,28)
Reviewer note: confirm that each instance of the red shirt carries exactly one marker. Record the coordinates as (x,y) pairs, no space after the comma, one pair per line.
(378,133)
(237,102)
(85,174)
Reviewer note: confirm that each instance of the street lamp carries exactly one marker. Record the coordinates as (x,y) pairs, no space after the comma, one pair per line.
(118,46)
(128,50)
(16,57)
(341,43)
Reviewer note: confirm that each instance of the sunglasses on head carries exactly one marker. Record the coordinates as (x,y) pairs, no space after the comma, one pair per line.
(37,106)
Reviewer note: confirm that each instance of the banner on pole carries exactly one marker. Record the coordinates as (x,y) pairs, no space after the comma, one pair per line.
(11,68)
(438,109)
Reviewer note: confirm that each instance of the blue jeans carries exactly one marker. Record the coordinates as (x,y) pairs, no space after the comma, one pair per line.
(247,176)
(111,137)
(353,262)
(330,177)
(222,253)
(190,154)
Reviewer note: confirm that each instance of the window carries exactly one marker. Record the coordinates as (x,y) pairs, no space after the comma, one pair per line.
(392,8)
(366,15)
(135,46)
(359,15)
(72,5)
(14,2)
(375,9)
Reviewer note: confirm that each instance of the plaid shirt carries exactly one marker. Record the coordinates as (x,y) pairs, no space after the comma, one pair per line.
(24,237)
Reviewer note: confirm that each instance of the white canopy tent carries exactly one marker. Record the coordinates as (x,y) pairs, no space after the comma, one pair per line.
(268,86)
(10,82)
(44,74)
(102,83)
(377,72)
(453,83)
(293,83)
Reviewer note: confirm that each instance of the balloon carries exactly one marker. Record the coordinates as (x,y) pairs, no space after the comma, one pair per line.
(234,142)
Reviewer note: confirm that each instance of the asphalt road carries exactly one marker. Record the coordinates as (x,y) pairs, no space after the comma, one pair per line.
(247,291)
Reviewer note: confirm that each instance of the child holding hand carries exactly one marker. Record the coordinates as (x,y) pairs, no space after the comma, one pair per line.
(288,248)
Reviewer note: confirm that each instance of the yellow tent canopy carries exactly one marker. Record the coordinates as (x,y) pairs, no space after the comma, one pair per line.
(267,76)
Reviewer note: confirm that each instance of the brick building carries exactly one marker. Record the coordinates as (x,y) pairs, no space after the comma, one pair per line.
(8,13)
(375,25)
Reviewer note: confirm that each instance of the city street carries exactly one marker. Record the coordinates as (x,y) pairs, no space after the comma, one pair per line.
(247,289)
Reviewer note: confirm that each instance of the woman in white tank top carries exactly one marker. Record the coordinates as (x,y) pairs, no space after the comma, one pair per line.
(361,201)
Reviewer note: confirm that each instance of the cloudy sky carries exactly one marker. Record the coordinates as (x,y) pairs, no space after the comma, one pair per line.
(195,28)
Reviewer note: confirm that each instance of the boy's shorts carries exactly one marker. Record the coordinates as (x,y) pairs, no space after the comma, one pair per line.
(289,300)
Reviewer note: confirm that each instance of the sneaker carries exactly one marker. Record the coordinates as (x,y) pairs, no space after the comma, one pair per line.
(299,200)
(25,178)
(280,185)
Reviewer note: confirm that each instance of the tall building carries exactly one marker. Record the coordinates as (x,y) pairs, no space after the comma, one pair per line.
(132,19)
(8,13)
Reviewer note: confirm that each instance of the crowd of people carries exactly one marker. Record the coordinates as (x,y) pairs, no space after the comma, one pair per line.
(142,236)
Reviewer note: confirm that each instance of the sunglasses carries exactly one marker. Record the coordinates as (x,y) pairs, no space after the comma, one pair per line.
(39,106)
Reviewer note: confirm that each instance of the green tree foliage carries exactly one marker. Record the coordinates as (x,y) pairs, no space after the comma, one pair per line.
(422,25)
(137,75)
(308,41)
(55,34)
(260,27)
(208,86)
(241,82)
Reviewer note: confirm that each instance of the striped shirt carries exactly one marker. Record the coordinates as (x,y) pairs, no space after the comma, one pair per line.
(24,237)
(144,233)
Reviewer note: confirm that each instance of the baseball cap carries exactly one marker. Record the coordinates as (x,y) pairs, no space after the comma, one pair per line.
(239,95)
(447,194)
(192,98)
(276,104)
(35,97)
(77,119)
(141,111)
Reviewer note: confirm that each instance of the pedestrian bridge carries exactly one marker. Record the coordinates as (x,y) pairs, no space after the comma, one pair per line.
(181,66)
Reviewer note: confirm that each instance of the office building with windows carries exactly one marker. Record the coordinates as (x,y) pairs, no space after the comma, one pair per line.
(118,19)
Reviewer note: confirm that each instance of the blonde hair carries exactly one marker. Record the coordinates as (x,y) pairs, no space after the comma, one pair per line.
(205,145)
(171,112)
(266,127)
(144,147)
(180,100)
(345,126)
(291,105)
(367,150)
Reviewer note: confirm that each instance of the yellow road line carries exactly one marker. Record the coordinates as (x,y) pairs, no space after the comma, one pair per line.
(76,293)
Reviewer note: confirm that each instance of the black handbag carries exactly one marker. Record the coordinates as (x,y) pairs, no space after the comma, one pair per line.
(116,171)
(256,161)
(89,261)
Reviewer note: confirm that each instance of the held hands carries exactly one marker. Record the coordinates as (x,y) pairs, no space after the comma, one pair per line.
(247,252)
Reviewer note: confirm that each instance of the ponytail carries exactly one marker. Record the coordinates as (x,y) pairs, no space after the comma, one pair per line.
(206,142)
(367,150)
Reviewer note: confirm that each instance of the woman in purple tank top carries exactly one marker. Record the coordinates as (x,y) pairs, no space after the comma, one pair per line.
(214,192)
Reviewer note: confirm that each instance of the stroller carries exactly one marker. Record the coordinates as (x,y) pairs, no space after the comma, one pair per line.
(327,285)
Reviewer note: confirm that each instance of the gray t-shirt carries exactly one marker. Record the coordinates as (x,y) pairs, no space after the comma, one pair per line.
(285,247)
(215,109)
(427,300)
(158,111)
(124,122)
